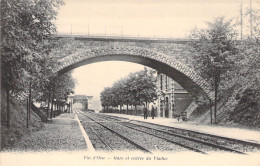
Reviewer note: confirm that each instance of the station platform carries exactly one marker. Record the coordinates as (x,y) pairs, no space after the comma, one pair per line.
(248,135)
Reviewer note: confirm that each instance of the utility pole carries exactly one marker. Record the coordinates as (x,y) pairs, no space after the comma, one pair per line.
(241,22)
(71,29)
(251,30)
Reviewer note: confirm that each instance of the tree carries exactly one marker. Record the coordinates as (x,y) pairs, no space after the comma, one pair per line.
(104,98)
(146,88)
(244,104)
(59,88)
(136,89)
(214,48)
(26,26)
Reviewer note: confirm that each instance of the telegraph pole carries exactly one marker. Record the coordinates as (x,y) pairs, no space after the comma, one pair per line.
(251,30)
(241,22)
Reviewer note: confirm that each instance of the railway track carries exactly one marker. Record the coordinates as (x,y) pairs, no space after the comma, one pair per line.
(112,134)
(232,144)
(149,142)
(217,142)
(188,143)
(101,139)
(180,140)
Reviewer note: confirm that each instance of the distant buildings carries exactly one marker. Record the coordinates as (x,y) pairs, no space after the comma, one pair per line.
(78,102)
(90,102)
(172,99)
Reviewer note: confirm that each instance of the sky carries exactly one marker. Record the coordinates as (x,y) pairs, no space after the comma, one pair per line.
(92,78)
(143,18)
(156,18)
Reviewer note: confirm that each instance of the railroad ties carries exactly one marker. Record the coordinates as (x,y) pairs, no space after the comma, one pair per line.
(111,133)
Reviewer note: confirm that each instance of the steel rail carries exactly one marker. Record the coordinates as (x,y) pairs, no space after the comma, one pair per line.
(189,138)
(120,135)
(206,134)
(110,148)
(181,136)
(254,144)
(174,142)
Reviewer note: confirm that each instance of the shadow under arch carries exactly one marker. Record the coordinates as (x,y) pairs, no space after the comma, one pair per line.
(186,77)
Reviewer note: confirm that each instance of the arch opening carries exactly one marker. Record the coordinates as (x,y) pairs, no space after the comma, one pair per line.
(174,69)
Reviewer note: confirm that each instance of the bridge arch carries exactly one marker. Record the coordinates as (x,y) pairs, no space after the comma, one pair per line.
(186,77)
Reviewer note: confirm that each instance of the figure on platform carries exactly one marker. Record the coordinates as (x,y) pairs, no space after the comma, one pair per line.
(145,112)
(152,112)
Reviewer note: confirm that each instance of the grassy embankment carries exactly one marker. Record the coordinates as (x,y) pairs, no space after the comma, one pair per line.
(17,129)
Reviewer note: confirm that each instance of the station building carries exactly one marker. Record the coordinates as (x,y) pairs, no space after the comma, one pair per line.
(172,99)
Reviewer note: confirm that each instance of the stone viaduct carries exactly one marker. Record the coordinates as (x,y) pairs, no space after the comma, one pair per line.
(169,56)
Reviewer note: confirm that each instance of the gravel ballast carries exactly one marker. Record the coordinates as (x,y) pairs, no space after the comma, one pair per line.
(61,133)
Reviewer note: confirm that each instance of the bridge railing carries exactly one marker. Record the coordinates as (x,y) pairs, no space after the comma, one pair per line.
(115,36)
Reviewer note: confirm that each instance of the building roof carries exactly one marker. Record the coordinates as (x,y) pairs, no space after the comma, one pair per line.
(79,97)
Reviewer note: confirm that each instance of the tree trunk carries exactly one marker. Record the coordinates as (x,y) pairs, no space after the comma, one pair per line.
(210,105)
(8,106)
(27,112)
(135,110)
(71,103)
(49,100)
(216,97)
(52,104)
(55,109)
(127,108)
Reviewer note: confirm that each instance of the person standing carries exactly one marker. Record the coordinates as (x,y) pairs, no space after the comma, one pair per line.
(152,112)
(145,112)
